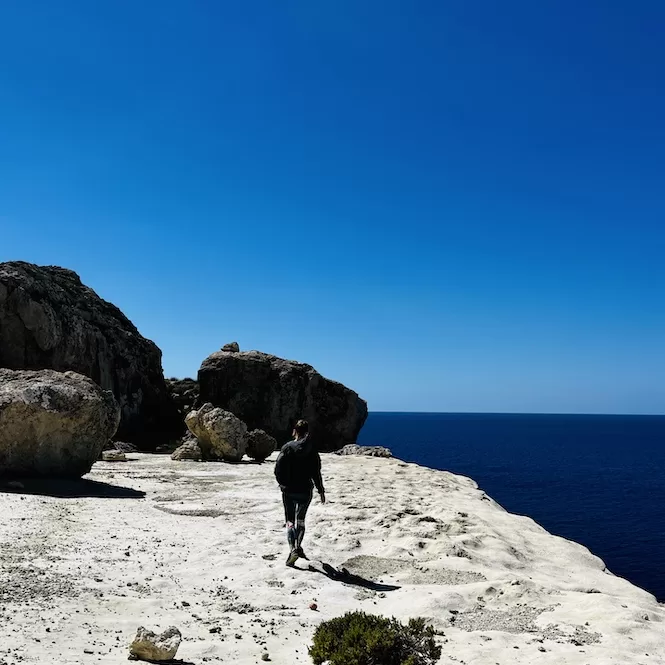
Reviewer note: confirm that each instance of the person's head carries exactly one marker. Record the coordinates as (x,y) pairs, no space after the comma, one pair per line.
(301,429)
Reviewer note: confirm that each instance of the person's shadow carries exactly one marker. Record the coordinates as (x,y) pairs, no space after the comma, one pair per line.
(63,488)
(345,577)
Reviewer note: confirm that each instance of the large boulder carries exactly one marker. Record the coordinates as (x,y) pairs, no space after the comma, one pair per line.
(220,434)
(50,320)
(53,423)
(260,445)
(271,394)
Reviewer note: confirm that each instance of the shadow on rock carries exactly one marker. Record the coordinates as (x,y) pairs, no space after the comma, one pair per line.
(173,661)
(345,577)
(68,488)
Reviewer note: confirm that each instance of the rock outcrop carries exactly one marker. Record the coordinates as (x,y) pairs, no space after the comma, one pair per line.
(271,394)
(260,445)
(220,434)
(367,451)
(53,423)
(50,320)
(231,347)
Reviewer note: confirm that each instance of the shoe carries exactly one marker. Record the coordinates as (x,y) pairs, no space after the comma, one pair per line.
(292,558)
(302,554)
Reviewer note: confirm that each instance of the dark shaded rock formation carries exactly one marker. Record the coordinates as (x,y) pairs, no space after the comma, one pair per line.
(53,423)
(260,445)
(50,320)
(270,393)
(185,396)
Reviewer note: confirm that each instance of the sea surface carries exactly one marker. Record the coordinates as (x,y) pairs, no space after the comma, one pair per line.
(598,480)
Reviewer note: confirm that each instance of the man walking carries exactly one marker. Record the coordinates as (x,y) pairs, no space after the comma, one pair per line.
(298,469)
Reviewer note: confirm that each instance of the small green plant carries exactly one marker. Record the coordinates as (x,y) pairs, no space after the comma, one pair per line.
(367,639)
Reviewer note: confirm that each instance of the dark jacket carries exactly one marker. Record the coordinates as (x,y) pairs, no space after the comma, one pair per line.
(298,467)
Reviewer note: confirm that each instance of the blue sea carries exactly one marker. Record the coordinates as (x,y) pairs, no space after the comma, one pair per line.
(598,480)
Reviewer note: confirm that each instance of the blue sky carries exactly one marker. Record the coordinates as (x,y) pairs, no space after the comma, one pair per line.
(449,206)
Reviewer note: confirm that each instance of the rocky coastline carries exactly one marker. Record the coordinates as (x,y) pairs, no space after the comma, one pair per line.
(200,546)
(195,540)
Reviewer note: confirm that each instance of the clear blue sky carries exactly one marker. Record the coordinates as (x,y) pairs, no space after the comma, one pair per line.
(447,205)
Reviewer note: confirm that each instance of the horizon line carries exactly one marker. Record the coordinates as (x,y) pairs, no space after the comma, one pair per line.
(520,413)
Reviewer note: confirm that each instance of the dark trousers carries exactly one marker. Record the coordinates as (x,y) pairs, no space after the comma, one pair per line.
(295,510)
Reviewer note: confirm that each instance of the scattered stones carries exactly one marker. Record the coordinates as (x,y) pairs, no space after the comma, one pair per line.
(53,423)
(260,445)
(219,432)
(369,451)
(150,646)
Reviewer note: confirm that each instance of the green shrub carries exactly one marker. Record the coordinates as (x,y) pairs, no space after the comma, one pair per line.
(367,639)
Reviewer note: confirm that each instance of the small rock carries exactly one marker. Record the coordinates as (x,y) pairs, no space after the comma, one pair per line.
(231,347)
(150,646)
(265,656)
(113,456)
(189,450)
(313,606)
(185,603)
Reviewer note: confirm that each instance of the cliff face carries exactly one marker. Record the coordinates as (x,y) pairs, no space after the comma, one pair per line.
(50,320)
(271,394)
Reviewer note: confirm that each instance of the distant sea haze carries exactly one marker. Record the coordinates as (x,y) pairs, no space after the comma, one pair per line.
(598,480)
